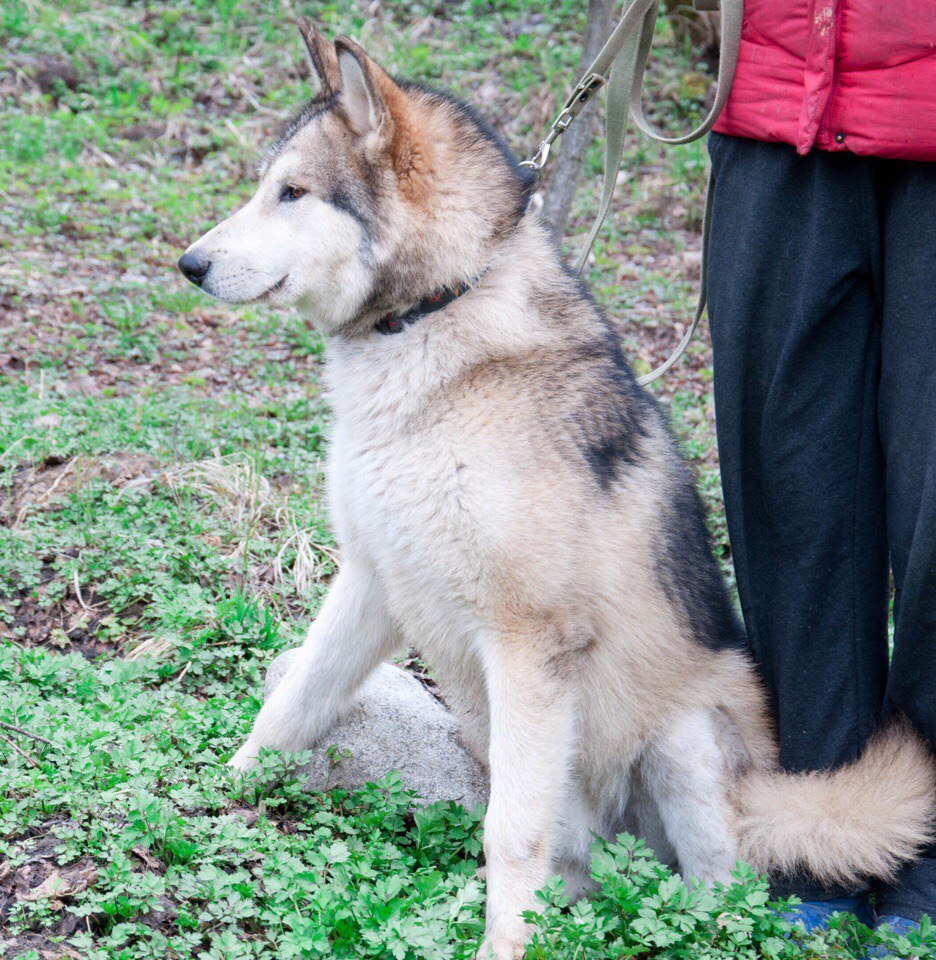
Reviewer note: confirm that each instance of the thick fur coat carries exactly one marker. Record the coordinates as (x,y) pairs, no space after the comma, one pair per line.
(509,502)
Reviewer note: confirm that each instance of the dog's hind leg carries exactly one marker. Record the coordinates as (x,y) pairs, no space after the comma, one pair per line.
(687,775)
(532,706)
(643,820)
(350,636)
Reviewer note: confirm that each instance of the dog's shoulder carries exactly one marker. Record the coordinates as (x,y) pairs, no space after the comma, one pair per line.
(569,385)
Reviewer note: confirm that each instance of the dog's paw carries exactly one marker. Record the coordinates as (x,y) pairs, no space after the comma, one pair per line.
(245,758)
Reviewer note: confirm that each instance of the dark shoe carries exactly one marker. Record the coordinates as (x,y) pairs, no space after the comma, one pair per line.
(816,914)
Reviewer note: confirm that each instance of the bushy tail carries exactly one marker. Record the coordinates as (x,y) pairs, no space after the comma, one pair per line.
(862,820)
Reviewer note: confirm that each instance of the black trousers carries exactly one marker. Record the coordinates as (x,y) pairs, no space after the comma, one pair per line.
(822,299)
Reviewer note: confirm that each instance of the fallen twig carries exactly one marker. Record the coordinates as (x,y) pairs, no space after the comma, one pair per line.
(25,733)
(84,606)
(20,751)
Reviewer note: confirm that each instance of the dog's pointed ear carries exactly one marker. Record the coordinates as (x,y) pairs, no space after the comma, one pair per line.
(322,56)
(366,91)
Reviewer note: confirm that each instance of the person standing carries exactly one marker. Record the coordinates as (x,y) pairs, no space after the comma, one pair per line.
(822,305)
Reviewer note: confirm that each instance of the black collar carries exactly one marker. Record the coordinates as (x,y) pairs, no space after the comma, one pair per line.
(397,323)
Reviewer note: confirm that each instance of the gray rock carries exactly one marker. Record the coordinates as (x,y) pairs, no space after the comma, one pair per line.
(395,724)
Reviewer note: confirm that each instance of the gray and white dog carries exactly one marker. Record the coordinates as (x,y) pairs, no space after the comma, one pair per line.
(510,502)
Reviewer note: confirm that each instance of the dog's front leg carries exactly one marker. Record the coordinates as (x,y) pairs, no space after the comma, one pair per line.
(350,636)
(532,704)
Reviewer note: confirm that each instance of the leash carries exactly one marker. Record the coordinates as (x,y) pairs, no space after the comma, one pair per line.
(622,64)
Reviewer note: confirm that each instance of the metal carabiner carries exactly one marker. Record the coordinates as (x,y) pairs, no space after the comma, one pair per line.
(583,92)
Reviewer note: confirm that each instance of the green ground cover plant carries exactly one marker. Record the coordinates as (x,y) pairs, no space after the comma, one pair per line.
(162,531)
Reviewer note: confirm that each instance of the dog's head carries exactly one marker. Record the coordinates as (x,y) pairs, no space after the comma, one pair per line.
(377,194)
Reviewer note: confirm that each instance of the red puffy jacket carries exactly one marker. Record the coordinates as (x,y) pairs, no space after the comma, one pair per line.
(856,75)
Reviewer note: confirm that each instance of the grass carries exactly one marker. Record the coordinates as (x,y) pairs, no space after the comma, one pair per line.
(162,532)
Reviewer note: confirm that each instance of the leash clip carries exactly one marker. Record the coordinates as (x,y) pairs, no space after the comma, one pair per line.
(584,90)
(538,160)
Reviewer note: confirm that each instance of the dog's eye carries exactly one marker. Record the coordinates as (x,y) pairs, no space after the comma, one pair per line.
(290,192)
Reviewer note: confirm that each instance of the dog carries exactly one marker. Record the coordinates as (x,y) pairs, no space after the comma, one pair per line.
(509,501)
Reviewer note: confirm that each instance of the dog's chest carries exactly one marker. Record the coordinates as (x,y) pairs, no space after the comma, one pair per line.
(409,505)
(416,491)
(398,507)
(404,502)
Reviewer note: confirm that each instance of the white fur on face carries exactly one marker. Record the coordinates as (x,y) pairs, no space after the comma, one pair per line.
(302,251)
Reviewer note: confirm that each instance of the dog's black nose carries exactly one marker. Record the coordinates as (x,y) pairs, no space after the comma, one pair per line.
(194,267)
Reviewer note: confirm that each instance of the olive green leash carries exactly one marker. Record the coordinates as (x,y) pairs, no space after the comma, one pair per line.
(622,65)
